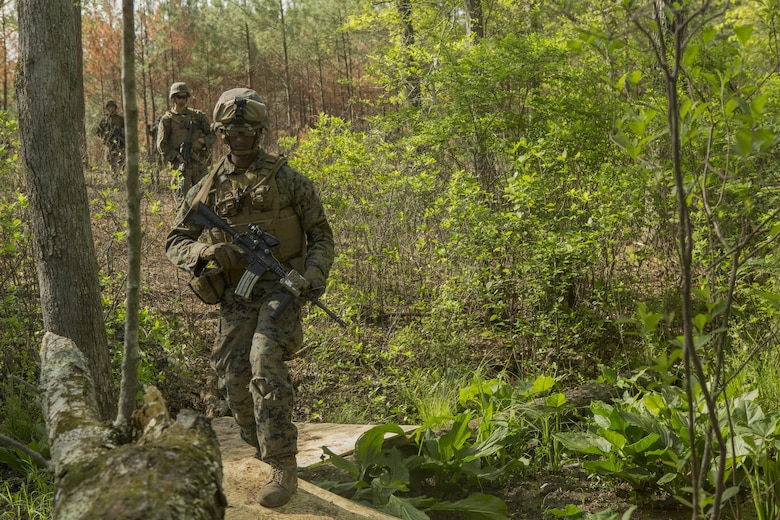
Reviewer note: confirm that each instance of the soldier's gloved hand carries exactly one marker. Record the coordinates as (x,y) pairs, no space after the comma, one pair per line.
(315,278)
(197,145)
(228,256)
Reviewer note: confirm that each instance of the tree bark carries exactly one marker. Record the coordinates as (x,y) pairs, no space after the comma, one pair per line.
(412,78)
(50,92)
(173,471)
(474,19)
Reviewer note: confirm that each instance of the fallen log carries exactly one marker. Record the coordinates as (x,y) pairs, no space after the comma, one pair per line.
(172,470)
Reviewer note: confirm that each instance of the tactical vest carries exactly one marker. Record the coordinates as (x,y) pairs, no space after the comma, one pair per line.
(253,197)
(180,127)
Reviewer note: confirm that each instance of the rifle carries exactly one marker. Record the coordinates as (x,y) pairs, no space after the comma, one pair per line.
(256,244)
(185,148)
(117,138)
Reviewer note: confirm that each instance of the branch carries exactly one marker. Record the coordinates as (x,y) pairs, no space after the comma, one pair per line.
(29,386)
(34,455)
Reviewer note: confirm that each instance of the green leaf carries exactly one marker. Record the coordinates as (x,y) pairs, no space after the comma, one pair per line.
(757,105)
(654,403)
(342,463)
(615,438)
(543,383)
(497,440)
(700,321)
(744,141)
(743,33)
(571,511)
(729,493)
(635,76)
(403,508)
(745,411)
(642,444)
(730,106)
(368,447)
(691,51)
(556,400)
(477,506)
(584,442)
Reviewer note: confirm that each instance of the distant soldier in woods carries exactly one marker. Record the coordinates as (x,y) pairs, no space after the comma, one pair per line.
(184,139)
(250,186)
(111,129)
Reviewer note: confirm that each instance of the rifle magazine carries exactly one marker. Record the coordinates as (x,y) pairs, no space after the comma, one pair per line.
(245,285)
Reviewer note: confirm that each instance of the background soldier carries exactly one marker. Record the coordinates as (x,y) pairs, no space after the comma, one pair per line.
(184,138)
(249,354)
(111,130)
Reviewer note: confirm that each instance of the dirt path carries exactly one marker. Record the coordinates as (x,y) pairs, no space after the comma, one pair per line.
(244,475)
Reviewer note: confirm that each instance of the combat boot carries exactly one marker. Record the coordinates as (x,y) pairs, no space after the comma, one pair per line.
(282,483)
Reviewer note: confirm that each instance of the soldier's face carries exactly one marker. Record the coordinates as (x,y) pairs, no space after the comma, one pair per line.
(240,141)
(181,100)
(111,109)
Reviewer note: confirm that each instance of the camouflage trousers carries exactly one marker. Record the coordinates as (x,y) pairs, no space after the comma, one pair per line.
(181,182)
(249,358)
(115,156)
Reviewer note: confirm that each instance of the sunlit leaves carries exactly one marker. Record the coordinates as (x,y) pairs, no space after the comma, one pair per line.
(743,33)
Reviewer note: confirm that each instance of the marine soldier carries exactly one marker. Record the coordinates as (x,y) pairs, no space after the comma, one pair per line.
(247,186)
(184,139)
(111,129)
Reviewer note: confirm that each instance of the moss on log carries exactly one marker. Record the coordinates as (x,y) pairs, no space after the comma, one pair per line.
(173,469)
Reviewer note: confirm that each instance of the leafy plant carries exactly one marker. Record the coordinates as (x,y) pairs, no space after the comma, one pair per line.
(379,475)
(642,440)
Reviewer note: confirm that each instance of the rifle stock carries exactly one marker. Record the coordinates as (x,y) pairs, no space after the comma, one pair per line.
(257,244)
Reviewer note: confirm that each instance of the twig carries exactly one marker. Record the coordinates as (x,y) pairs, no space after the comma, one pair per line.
(34,455)
(27,385)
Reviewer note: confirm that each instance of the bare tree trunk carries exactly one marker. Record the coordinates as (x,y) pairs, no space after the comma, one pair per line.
(5,60)
(51,109)
(474,19)
(249,60)
(129,386)
(174,471)
(413,89)
(287,79)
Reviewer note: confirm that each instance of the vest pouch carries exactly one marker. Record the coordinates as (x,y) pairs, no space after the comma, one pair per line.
(288,230)
(209,287)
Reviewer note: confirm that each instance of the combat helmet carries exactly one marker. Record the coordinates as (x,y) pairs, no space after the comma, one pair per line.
(111,102)
(178,88)
(240,108)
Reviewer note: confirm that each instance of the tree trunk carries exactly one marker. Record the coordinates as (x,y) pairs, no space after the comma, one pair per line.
(413,87)
(173,471)
(474,19)
(50,93)
(287,79)
(129,387)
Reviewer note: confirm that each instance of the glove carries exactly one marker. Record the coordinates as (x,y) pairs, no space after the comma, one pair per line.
(197,145)
(228,256)
(315,277)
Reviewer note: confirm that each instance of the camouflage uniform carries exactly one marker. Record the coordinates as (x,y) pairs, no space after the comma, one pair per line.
(172,131)
(111,129)
(250,350)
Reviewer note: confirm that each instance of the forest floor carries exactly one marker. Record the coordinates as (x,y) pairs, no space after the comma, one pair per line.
(188,382)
